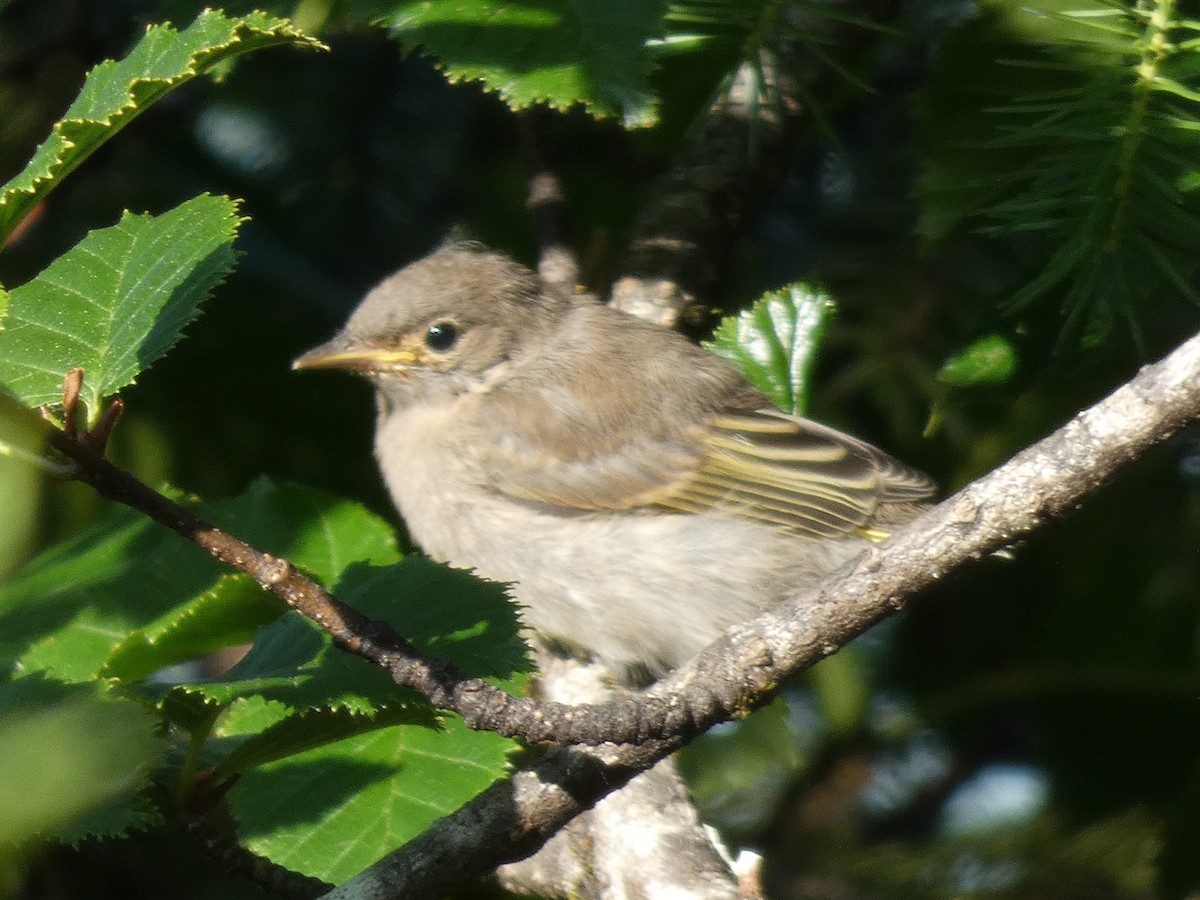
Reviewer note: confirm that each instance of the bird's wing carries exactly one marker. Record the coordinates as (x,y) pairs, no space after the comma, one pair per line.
(760,465)
(794,473)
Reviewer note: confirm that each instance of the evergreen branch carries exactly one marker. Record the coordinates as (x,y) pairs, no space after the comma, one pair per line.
(1096,156)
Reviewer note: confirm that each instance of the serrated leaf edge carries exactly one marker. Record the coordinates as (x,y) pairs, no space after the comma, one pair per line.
(147,636)
(232,225)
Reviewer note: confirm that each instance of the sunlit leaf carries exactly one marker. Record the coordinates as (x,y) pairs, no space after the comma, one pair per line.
(225,616)
(445,612)
(774,343)
(989,360)
(335,810)
(116,302)
(22,444)
(127,592)
(277,737)
(555,52)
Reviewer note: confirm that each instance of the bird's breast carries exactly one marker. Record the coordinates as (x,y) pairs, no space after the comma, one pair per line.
(428,472)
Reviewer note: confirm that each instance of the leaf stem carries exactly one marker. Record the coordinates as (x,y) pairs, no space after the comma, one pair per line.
(187,771)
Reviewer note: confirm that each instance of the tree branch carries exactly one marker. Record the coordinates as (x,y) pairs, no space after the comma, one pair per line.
(669,852)
(734,674)
(696,211)
(514,817)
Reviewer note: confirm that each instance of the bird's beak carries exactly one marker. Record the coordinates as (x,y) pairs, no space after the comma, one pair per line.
(340,354)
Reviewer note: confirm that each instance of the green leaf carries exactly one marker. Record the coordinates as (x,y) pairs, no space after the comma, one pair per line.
(1064,128)
(319,532)
(69,610)
(308,730)
(228,615)
(774,343)
(116,92)
(556,52)
(117,818)
(989,360)
(23,432)
(241,719)
(445,612)
(74,760)
(116,302)
(333,811)
(65,610)
(294,663)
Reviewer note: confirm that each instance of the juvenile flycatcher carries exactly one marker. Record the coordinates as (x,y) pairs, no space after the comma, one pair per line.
(639,494)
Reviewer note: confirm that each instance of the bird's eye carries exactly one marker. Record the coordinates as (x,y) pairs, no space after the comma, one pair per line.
(441,336)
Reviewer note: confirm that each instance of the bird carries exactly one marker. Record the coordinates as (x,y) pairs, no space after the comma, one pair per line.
(636,492)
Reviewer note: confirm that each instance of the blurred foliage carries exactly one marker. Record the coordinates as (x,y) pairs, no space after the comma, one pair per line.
(1001,200)
(51,789)
(1074,126)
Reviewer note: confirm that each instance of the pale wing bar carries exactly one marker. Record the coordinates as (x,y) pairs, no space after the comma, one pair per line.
(790,472)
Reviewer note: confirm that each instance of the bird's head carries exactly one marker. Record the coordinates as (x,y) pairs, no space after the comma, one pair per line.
(446,324)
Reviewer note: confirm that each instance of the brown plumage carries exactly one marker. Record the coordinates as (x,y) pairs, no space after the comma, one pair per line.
(636,489)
